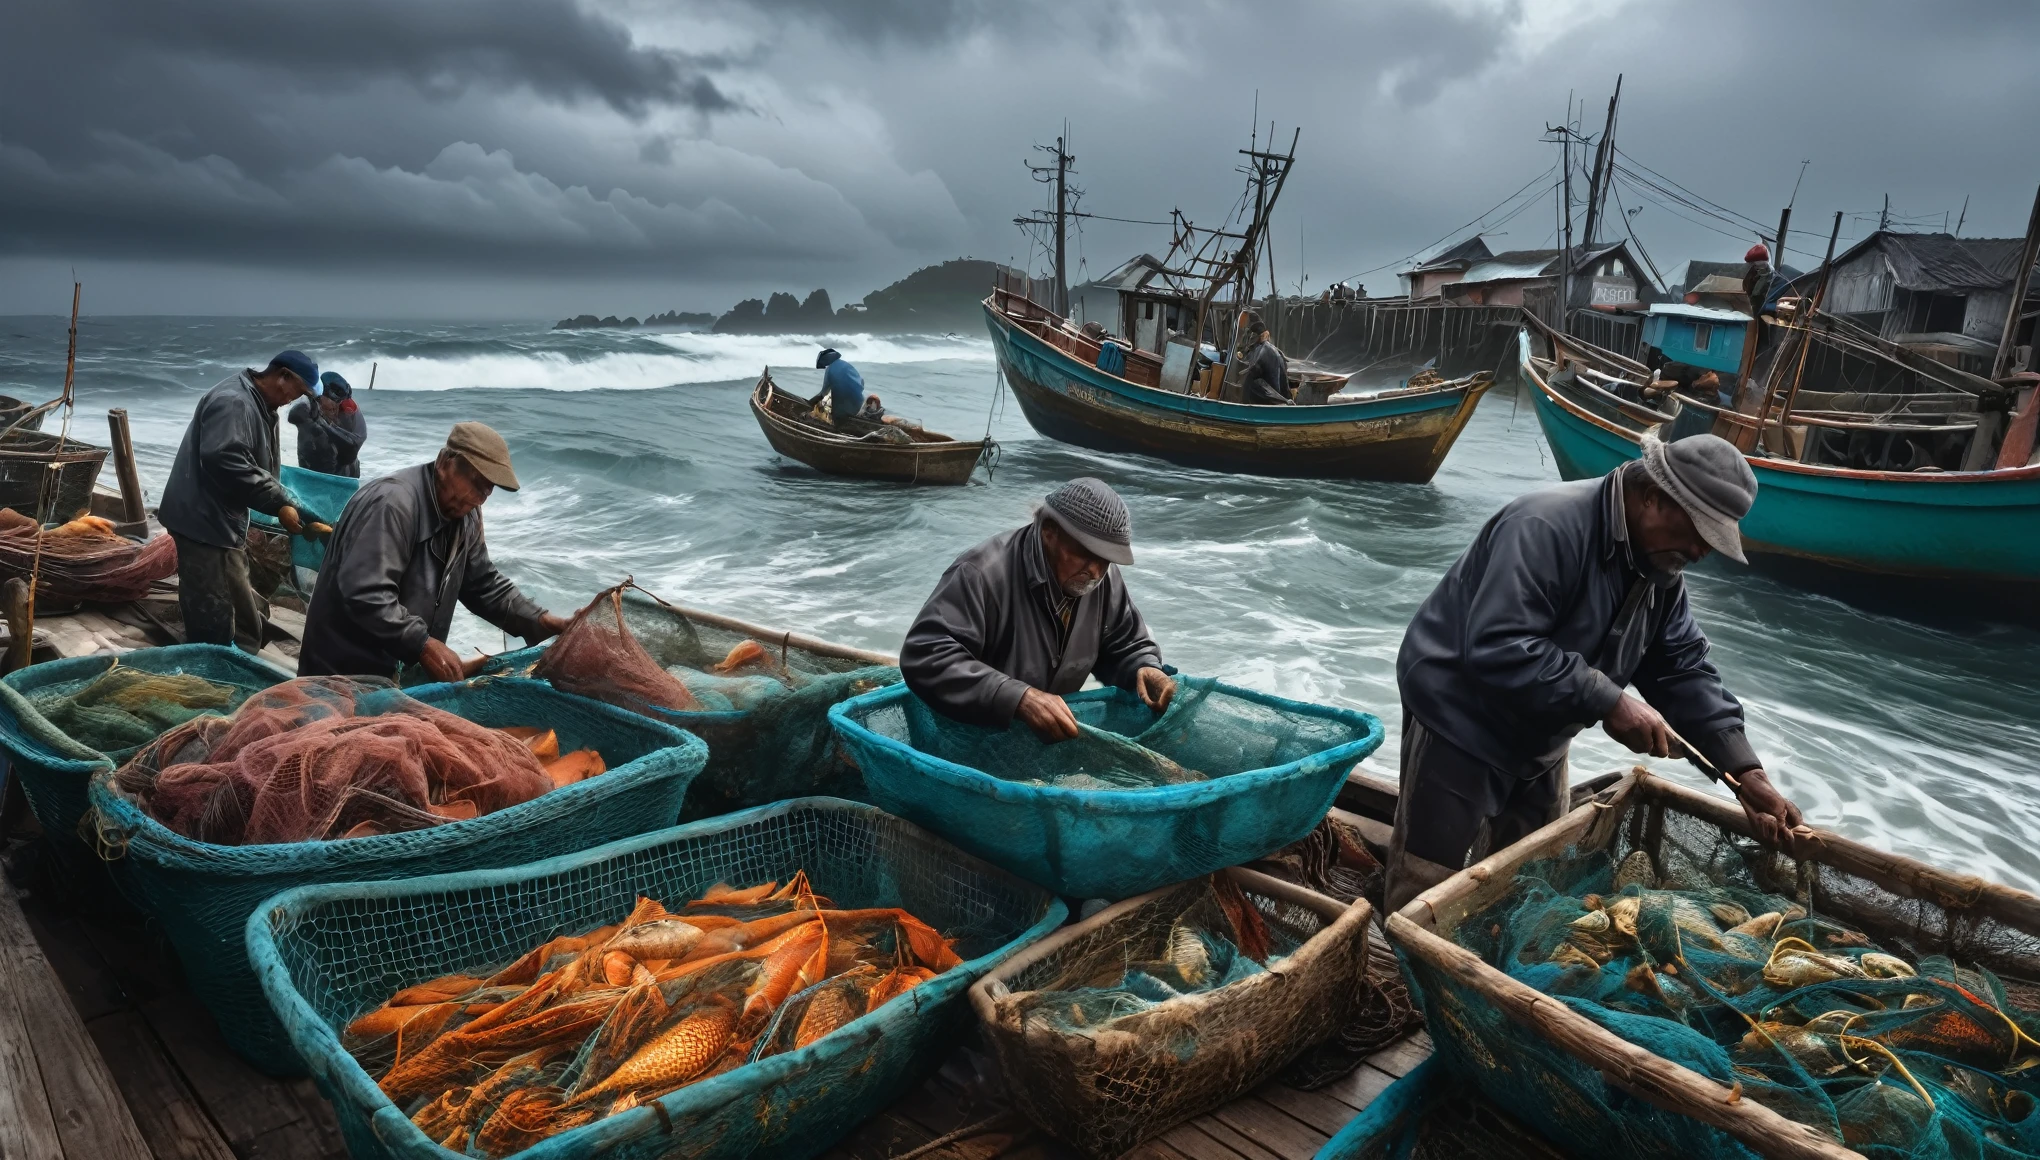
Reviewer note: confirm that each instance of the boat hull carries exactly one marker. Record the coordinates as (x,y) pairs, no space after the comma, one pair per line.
(1401,439)
(1955,525)
(947,462)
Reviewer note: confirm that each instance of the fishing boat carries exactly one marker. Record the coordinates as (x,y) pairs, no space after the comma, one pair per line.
(1929,521)
(925,457)
(1396,435)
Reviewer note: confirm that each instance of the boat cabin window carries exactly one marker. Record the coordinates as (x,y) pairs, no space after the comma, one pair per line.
(1703,334)
(1147,310)
(1615,269)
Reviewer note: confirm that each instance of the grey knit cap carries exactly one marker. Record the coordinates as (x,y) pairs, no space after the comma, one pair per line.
(1095,515)
(1709,478)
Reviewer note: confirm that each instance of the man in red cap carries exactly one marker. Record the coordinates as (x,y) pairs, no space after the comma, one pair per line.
(1756,278)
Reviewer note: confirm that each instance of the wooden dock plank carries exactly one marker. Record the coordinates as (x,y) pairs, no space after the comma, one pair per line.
(1194,1144)
(1234,1142)
(91,1117)
(26,1126)
(1314,1109)
(1270,1127)
(174,1124)
(1401,1058)
(1359,1087)
(248,1105)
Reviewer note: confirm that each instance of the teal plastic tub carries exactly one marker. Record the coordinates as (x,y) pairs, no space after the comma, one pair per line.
(325,954)
(54,768)
(318,497)
(203,894)
(1274,766)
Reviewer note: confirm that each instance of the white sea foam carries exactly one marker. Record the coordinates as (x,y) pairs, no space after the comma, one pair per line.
(693,358)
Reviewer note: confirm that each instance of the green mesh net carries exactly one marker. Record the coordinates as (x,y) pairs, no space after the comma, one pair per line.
(1431,1114)
(126,708)
(1871,1019)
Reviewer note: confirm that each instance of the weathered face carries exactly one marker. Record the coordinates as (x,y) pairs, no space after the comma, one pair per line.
(1076,570)
(1664,534)
(461,488)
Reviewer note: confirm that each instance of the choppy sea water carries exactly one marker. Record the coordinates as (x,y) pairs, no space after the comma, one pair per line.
(640,457)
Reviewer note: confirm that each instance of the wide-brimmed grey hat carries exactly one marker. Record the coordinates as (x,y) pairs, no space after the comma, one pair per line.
(1710,479)
(1095,515)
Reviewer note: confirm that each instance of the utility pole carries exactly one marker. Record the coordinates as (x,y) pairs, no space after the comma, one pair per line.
(1778,253)
(1604,167)
(1058,173)
(1884,215)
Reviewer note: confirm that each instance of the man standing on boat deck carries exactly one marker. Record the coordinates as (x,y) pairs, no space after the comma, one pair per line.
(408,547)
(1567,596)
(1264,374)
(1021,619)
(842,384)
(330,429)
(226,465)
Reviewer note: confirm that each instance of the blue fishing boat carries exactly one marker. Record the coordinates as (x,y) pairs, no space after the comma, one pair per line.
(1052,367)
(1927,522)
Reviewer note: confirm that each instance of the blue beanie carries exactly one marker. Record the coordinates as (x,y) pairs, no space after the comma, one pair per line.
(298,363)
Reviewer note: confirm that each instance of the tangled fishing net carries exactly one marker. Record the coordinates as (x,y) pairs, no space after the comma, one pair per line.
(84,560)
(124,708)
(585,1026)
(1893,1056)
(332,757)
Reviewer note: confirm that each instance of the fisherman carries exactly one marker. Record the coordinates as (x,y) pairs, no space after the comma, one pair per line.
(408,547)
(226,465)
(1264,374)
(1020,620)
(1757,277)
(331,428)
(843,386)
(1568,595)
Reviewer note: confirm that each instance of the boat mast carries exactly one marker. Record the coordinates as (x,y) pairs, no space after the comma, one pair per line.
(2002,364)
(1059,174)
(1604,167)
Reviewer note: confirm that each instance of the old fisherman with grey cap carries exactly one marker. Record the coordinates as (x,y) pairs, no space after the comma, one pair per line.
(1568,597)
(1023,618)
(406,549)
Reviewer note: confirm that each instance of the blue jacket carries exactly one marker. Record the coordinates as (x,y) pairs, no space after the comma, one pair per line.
(845,387)
(1533,633)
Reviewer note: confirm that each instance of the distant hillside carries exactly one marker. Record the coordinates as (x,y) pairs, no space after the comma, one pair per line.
(933,300)
(612,322)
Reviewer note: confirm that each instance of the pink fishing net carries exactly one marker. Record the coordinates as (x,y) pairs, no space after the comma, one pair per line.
(598,657)
(83,560)
(296,763)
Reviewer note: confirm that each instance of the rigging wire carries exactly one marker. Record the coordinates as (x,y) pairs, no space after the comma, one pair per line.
(1456,230)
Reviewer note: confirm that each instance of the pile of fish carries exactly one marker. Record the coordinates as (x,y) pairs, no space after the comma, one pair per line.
(1807,1015)
(589,1025)
(1215,941)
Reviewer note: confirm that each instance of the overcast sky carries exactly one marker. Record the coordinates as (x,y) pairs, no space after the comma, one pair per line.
(533,158)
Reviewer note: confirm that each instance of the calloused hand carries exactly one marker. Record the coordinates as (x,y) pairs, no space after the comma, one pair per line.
(1771,814)
(550,624)
(442,662)
(1156,689)
(1638,726)
(1048,715)
(292,523)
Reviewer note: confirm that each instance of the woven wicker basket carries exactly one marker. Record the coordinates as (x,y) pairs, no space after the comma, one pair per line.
(1104,1092)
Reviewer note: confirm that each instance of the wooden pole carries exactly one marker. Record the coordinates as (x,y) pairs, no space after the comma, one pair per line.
(371,375)
(2002,363)
(1777,254)
(1806,338)
(123,441)
(71,357)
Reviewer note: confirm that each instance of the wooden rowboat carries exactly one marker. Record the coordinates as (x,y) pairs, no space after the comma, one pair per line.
(1399,436)
(793,432)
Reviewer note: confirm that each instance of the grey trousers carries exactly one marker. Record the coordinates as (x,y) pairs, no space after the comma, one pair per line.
(1456,809)
(213,593)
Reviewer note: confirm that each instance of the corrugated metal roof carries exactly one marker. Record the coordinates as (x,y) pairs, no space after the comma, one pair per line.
(1702,313)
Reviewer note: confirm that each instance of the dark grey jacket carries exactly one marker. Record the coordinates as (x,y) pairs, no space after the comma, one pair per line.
(990,631)
(226,465)
(393,571)
(329,445)
(1264,377)
(1534,632)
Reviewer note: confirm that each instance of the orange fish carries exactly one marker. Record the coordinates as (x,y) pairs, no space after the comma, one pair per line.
(439,990)
(684,1051)
(832,1007)
(543,743)
(580,765)
(896,983)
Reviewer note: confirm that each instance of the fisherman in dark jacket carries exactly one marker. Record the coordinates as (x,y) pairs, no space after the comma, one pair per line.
(406,549)
(226,465)
(331,429)
(1567,596)
(1024,617)
(1264,373)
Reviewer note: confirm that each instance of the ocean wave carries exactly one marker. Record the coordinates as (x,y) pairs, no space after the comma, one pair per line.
(647,361)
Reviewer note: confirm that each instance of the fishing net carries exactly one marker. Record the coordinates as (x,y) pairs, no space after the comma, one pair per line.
(763,707)
(1163,1007)
(329,956)
(307,760)
(125,708)
(201,893)
(1225,776)
(1894,1026)
(1431,1114)
(84,560)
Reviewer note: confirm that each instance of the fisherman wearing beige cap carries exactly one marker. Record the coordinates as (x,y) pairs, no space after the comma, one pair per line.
(406,549)
(1568,598)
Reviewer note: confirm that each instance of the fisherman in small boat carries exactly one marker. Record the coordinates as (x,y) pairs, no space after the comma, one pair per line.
(408,547)
(226,466)
(1566,597)
(1264,373)
(330,427)
(843,387)
(1020,620)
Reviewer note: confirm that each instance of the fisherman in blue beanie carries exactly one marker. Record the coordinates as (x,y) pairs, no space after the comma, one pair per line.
(331,429)
(227,465)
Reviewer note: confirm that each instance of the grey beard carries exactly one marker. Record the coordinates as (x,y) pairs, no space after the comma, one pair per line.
(1667,566)
(1079,591)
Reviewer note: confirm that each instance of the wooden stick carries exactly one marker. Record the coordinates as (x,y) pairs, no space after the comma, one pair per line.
(134,510)
(371,375)
(1806,343)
